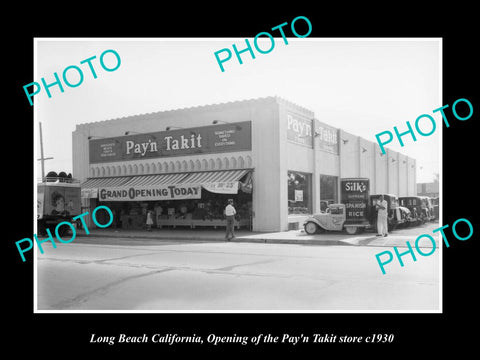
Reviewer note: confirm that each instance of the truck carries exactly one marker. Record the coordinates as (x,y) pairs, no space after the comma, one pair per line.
(58,200)
(351,215)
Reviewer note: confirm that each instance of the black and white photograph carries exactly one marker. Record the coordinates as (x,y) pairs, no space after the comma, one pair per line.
(294,180)
(258,187)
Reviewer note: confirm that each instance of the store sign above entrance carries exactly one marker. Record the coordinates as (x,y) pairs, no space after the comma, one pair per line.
(200,140)
(327,137)
(299,130)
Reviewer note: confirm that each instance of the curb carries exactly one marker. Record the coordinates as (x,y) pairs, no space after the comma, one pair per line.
(145,237)
(293,241)
(240,239)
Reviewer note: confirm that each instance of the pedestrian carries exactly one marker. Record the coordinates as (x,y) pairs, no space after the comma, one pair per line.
(149,220)
(229,213)
(382,217)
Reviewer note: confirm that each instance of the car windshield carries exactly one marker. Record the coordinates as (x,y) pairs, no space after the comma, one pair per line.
(336,210)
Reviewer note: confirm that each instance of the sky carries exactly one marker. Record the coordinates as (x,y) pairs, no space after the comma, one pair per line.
(363,86)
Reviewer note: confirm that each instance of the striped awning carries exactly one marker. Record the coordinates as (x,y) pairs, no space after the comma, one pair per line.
(215,181)
(161,179)
(214,176)
(105,182)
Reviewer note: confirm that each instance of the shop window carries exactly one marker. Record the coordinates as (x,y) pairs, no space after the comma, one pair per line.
(328,189)
(299,193)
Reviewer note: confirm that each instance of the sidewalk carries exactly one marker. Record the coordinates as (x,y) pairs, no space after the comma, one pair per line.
(283,237)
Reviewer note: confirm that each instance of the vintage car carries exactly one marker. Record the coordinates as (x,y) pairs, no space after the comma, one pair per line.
(406,216)
(419,212)
(436,208)
(429,209)
(333,219)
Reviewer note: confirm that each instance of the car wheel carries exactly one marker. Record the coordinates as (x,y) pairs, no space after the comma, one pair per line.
(311,228)
(352,230)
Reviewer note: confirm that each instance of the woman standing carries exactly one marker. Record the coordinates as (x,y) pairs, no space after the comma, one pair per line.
(149,220)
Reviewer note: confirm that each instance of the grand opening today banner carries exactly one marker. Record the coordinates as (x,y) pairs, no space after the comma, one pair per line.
(143,193)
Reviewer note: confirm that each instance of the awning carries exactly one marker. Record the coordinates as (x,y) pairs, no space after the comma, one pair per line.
(222,182)
(105,182)
(219,182)
(161,179)
(214,176)
(89,188)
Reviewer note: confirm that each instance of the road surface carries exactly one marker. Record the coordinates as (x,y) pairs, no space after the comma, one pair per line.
(177,275)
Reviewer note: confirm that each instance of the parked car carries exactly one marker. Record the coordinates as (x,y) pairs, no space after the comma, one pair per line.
(417,208)
(436,209)
(428,208)
(333,219)
(406,216)
(351,215)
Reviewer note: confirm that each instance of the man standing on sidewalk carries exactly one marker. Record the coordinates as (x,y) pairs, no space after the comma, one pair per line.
(230,215)
(382,217)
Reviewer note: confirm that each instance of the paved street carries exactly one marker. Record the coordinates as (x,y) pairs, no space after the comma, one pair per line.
(104,273)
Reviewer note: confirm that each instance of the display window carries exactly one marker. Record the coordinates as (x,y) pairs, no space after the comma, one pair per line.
(206,211)
(299,193)
(328,191)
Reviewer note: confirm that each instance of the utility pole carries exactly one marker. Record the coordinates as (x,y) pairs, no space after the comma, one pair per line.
(42,159)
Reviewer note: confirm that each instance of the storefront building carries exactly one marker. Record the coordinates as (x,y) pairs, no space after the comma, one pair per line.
(274,158)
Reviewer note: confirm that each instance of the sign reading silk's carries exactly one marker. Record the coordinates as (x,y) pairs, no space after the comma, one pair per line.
(355,196)
(180,142)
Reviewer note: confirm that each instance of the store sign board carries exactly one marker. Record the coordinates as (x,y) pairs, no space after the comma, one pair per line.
(355,196)
(299,130)
(179,142)
(222,187)
(327,137)
(145,193)
(89,193)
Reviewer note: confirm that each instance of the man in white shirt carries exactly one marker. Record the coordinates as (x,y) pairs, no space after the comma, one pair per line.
(382,217)
(230,215)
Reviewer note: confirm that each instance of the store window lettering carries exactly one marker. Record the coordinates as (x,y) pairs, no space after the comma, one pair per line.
(73,76)
(424,127)
(58,231)
(389,255)
(227,54)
